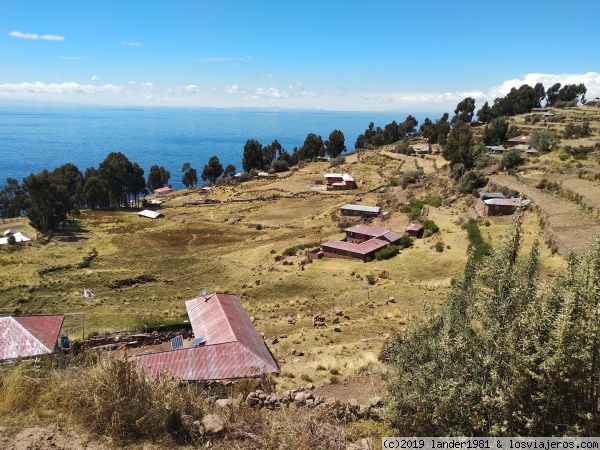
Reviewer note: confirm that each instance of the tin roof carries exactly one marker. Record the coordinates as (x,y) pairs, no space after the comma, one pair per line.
(361,208)
(27,336)
(364,248)
(414,227)
(520,139)
(149,214)
(232,347)
(163,190)
(502,201)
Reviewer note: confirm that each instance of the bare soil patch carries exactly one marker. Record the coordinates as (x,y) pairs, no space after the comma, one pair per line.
(362,387)
(571,226)
(73,239)
(17,225)
(49,437)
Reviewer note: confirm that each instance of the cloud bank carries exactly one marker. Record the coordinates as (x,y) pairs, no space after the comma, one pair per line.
(294,95)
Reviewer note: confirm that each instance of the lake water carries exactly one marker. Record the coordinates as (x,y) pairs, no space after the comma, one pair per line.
(34,138)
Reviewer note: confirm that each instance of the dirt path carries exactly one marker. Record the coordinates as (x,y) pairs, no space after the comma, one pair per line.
(571,226)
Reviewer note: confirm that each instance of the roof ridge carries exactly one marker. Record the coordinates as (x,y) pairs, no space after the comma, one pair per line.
(243,344)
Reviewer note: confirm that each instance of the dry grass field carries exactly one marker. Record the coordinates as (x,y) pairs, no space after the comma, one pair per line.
(234,239)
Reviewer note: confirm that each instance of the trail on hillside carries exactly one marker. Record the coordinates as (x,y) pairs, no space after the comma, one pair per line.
(571,226)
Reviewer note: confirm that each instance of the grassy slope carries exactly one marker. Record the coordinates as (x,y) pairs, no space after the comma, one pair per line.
(231,246)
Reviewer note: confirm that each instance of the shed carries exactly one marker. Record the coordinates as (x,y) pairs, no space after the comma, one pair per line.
(520,139)
(415,229)
(359,210)
(163,191)
(27,336)
(488,195)
(231,347)
(503,206)
(149,214)
(353,250)
(19,237)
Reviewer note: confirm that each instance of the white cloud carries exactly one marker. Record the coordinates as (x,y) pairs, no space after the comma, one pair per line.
(94,78)
(147,85)
(590,79)
(233,89)
(131,44)
(35,36)
(21,89)
(192,88)
(271,92)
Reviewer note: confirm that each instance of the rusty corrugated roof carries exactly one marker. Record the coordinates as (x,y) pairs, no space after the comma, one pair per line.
(232,349)
(27,336)
(364,248)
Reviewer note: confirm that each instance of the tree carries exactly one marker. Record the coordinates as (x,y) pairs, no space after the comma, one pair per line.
(270,152)
(41,200)
(485,113)
(541,141)
(212,170)
(464,111)
(461,146)
(95,192)
(552,94)
(229,171)
(158,177)
(512,158)
(313,147)
(253,155)
(495,132)
(115,172)
(336,144)
(12,199)
(69,184)
(136,184)
(189,177)
(408,127)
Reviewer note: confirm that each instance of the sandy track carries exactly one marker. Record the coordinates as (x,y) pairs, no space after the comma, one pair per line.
(572,227)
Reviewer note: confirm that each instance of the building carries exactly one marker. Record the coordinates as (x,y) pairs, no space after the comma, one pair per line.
(503,206)
(496,149)
(339,181)
(28,336)
(361,242)
(359,210)
(415,229)
(19,237)
(163,191)
(226,344)
(422,150)
(520,139)
(149,214)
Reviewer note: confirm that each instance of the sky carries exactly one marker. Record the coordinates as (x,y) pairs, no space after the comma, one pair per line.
(333,55)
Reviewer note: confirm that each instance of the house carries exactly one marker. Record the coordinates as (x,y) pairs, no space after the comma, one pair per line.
(520,139)
(322,159)
(503,206)
(496,149)
(415,229)
(421,150)
(539,110)
(359,210)
(489,195)
(226,344)
(361,242)
(28,336)
(163,191)
(149,214)
(19,237)
(339,181)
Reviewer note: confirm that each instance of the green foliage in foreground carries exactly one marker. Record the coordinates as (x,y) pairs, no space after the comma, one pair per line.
(477,244)
(506,354)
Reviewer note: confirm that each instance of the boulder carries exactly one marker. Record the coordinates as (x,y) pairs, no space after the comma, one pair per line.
(223,402)
(376,401)
(213,423)
(363,411)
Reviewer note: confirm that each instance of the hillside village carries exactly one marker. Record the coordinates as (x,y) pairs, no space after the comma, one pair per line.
(321,265)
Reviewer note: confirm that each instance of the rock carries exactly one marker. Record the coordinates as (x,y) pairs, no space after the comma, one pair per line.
(391,300)
(223,402)
(310,402)
(337,330)
(210,401)
(336,320)
(283,336)
(310,386)
(370,305)
(213,423)
(187,420)
(353,404)
(376,401)
(339,312)
(300,398)
(274,341)
(364,410)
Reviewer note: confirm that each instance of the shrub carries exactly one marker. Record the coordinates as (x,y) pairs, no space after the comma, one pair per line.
(337,161)
(371,279)
(387,253)
(434,201)
(439,246)
(430,226)
(476,241)
(405,242)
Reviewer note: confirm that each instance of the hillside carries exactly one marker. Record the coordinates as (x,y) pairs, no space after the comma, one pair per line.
(235,239)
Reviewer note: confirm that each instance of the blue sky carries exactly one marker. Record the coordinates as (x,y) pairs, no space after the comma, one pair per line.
(335,55)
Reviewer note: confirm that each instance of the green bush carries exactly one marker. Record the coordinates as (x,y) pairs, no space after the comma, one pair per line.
(387,253)
(430,225)
(434,201)
(371,279)
(439,246)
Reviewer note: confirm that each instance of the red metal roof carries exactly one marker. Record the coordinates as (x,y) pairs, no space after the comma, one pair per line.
(27,336)
(363,248)
(414,227)
(233,348)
